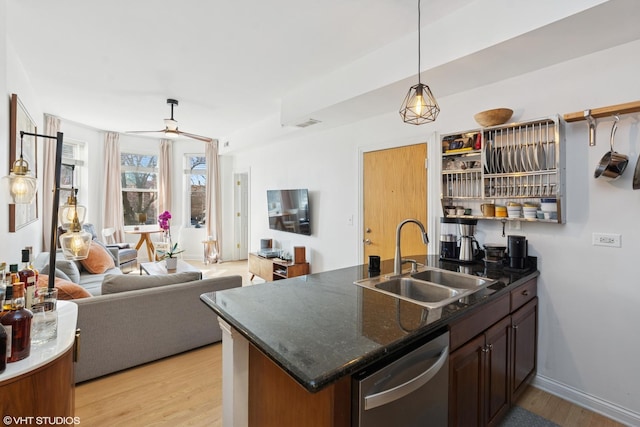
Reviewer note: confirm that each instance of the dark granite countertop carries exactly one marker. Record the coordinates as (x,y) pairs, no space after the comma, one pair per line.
(321,327)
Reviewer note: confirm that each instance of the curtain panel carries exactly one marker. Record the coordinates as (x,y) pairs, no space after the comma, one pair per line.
(51,127)
(213,218)
(164,175)
(113,215)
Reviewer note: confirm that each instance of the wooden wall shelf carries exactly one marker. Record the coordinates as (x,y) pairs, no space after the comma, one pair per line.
(597,113)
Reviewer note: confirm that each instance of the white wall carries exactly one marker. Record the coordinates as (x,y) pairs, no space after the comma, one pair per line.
(589,298)
(14,80)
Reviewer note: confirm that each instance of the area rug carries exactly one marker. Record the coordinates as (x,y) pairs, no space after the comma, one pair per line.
(519,417)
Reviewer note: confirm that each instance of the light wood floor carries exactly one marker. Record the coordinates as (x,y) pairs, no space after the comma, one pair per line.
(186,389)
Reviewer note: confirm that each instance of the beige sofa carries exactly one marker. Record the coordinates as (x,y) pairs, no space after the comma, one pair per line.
(152,321)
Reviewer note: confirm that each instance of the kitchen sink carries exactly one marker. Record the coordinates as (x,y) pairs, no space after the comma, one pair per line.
(452,279)
(417,289)
(431,288)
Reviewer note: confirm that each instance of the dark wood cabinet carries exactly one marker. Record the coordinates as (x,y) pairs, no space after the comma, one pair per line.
(479,373)
(490,370)
(524,327)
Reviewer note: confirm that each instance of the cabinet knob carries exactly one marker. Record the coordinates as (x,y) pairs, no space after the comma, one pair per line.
(525,292)
(514,327)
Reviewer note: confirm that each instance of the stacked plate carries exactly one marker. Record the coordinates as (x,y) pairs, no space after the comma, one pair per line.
(514,210)
(530,210)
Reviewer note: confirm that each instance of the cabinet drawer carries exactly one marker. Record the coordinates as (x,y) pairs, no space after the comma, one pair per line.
(477,321)
(523,294)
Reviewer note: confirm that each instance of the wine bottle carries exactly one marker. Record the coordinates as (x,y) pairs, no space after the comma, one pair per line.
(13,274)
(31,266)
(28,277)
(17,324)
(3,349)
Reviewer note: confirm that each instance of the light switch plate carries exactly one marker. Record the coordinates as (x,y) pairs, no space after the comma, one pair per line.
(606,239)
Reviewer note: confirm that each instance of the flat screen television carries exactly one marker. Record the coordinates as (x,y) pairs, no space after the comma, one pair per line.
(289,210)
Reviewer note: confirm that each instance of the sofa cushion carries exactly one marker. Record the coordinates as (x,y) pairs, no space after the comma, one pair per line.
(58,273)
(128,282)
(99,259)
(64,266)
(66,290)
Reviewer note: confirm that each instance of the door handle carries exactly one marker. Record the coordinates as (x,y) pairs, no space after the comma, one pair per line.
(398,392)
(367,241)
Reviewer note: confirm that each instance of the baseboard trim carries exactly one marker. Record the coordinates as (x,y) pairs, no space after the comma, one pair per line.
(587,401)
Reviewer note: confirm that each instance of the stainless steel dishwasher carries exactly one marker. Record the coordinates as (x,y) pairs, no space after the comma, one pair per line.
(410,391)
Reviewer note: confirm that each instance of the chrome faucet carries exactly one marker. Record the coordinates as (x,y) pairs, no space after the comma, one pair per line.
(398,261)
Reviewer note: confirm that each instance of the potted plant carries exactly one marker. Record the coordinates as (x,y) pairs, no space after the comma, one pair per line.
(170,261)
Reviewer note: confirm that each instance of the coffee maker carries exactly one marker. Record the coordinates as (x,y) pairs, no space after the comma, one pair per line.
(457,241)
(469,247)
(448,239)
(517,251)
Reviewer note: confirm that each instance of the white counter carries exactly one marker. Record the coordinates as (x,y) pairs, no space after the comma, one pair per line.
(45,353)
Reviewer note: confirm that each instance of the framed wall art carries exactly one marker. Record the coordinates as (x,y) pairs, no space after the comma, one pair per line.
(20,120)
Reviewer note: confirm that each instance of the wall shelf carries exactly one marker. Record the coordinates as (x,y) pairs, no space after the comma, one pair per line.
(598,113)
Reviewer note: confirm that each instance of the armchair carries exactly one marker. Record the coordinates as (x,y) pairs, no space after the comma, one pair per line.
(128,256)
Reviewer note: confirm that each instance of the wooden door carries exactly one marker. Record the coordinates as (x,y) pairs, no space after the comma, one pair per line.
(395,188)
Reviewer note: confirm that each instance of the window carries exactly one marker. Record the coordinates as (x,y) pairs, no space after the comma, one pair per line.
(139,179)
(196,186)
(72,152)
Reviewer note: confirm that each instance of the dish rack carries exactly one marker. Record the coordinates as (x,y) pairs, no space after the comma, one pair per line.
(516,162)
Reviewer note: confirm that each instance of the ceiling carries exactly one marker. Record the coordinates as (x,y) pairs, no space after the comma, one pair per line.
(112,65)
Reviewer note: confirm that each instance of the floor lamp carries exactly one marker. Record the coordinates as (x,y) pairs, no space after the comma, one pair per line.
(19,173)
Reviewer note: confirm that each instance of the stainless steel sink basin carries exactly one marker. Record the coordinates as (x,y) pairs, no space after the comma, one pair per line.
(432,288)
(452,279)
(417,289)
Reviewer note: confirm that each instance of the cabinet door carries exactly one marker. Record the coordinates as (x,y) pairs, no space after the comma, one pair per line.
(497,354)
(466,376)
(524,325)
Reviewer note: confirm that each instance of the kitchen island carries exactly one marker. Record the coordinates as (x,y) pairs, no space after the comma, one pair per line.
(321,329)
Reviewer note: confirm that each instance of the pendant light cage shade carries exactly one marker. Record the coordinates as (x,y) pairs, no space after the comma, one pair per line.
(419,106)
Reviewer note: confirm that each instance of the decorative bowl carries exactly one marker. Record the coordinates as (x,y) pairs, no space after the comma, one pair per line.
(493,117)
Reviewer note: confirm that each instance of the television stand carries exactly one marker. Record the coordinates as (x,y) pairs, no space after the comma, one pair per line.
(271,269)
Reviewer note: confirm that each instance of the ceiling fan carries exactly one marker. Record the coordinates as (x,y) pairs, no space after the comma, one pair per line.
(171,127)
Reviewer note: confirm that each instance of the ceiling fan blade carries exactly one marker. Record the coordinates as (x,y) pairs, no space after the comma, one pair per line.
(194,136)
(145,131)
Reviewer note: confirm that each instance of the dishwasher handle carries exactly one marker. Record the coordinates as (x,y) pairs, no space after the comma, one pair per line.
(398,392)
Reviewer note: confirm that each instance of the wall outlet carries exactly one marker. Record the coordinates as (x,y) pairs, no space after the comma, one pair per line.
(605,239)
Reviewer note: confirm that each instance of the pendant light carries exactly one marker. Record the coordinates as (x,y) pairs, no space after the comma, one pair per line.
(71,210)
(419,105)
(22,186)
(75,242)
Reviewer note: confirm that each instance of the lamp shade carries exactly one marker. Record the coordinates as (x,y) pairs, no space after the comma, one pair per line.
(22,188)
(69,212)
(419,106)
(75,244)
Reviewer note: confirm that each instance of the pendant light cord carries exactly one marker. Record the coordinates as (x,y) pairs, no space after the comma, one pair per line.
(419,38)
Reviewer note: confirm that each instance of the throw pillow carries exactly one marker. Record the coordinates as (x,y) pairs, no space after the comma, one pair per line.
(98,261)
(58,273)
(114,283)
(98,242)
(66,290)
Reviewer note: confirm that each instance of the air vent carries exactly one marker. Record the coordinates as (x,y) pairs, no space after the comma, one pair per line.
(308,123)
